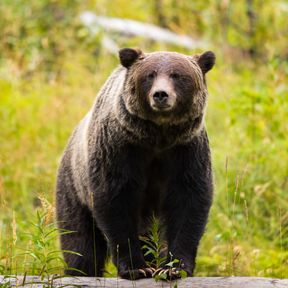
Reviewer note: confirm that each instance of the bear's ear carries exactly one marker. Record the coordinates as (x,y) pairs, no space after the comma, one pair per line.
(206,61)
(128,56)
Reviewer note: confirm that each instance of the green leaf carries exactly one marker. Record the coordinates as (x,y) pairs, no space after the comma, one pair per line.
(183,274)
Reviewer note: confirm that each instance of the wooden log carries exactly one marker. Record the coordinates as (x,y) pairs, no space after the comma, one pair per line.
(191,282)
(128,28)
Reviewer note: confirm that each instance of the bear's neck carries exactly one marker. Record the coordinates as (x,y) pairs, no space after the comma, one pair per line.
(147,133)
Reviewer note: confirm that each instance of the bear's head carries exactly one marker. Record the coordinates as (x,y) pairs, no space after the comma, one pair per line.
(165,87)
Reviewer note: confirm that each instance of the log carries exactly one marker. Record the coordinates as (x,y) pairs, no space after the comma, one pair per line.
(132,28)
(191,282)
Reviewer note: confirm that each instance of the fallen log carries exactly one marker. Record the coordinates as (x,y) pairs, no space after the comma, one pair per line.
(132,28)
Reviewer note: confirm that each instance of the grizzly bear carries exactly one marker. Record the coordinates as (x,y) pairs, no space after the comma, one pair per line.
(141,150)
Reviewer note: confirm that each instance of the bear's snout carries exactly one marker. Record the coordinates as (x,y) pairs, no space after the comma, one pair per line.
(160,97)
(161,101)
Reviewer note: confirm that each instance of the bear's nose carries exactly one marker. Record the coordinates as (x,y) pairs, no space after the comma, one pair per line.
(160,97)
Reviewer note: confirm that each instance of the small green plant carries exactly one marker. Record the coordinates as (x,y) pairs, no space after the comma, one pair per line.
(154,246)
(170,271)
(40,257)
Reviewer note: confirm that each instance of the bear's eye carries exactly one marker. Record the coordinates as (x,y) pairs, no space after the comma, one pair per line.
(175,75)
(151,75)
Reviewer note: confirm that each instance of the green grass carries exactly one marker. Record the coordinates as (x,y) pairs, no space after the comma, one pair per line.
(246,120)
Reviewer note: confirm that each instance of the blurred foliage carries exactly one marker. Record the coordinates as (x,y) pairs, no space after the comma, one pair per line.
(51,68)
(37,35)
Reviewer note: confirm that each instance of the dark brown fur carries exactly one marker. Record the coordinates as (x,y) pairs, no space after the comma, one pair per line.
(128,160)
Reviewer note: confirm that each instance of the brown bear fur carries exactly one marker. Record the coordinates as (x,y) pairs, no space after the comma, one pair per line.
(141,150)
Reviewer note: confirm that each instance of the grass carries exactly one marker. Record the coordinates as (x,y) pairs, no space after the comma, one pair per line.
(247,124)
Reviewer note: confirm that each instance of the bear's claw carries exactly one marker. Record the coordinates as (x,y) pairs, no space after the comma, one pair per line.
(135,274)
(172,273)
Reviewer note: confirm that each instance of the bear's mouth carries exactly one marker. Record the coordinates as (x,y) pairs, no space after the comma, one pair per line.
(161,107)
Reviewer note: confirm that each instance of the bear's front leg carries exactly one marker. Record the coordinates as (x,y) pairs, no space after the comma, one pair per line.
(187,204)
(117,188)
